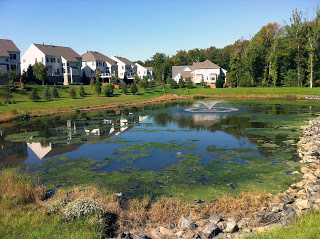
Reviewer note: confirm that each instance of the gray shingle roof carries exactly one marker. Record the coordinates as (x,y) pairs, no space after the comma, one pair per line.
(125,61)
(178,69)
(97,56)
(66,52)
(205,65)
(149,68)
(7,45)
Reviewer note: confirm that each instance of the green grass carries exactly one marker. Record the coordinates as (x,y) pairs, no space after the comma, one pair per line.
(307,227)
(23,102)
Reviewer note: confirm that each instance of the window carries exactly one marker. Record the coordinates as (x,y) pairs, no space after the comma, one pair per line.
(103,64)
(35,60)
(86,64)
(58,60)
(139,72)
(42,59)
(7,60)
(122,67)
(67,64)
(54,60)
(13,56)
(47,59)
(63,64)
(91,71)
(24,60)
(51,60)
(93,63)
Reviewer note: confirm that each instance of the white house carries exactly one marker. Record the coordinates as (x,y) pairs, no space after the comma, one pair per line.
(177,71)
(9,56)
(126,68)
(63,63)
(144,71)
(92,61)
(208,71)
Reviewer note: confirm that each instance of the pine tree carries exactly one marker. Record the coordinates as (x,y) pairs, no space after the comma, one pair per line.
(108,90)
(72,93)
(82,92)
(97,87)
(55,93)
(134,88)
(46,93)
(34,95)
(124,88)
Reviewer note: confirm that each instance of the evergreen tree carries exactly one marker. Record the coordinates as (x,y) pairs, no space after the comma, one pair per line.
(134,88)
(46,93)
(181,83)
(173,84)
(108,90)
(152,84)
(219,82)
(55,93)
(97,87)
(82,92)
(144,83)
(124,88)
(34,95)
(72,93)
(189,84)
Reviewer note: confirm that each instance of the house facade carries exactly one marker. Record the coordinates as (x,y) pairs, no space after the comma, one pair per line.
(126,68)
(9,56)
(63,63)
(144,71)
(177,71)
(92,61)
(206,71)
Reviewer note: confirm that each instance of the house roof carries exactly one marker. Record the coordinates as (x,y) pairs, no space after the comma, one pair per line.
(97,56)
(178,69)
(125,61)
(205,65)
(149,68)
(186,74)
(66,52)
(7,45)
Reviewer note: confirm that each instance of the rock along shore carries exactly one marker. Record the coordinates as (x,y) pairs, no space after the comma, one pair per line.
(300,197)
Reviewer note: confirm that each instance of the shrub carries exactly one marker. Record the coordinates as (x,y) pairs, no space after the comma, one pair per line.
(189,84)
(173,84)
(97,87)
(219,82)
(34,95)
(124,88)
(134,88)
(55,93)
(181,83)
(108,90)
(46,94)
(72,93)
(82,92)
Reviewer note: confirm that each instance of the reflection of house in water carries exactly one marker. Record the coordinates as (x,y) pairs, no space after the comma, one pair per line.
(207,120)
(40,150)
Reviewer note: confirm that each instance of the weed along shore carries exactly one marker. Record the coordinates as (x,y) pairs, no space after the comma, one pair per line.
(96,212)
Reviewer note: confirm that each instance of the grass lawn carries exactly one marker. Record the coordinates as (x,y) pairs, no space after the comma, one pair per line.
(21,103)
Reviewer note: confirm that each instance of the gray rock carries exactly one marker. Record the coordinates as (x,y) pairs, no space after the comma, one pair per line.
(141,236)
(186,224)
(215,218)
(286,199)
(302,204)
(231,227)
(211,230)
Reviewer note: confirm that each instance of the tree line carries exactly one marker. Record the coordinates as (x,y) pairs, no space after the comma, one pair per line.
(278,55)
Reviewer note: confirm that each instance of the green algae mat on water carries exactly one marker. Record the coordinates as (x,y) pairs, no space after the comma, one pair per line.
(165,150)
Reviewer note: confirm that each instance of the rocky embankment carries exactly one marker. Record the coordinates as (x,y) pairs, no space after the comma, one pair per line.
(300,197)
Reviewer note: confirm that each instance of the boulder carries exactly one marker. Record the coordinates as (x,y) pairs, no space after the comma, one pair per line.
(231,227)
(141,236)
(165,232)
(215,218)
(286,199)
(211,230)
(302,204)
(155,234)
(186,224)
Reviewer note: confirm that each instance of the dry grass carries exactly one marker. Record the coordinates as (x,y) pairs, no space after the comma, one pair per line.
(16,188)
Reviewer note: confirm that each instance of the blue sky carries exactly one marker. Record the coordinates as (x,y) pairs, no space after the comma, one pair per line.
(138,29)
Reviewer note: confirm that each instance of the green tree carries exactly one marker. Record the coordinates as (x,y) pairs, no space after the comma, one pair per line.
(97,86)
(152,84)
(144,83)
(173,84)
(55,93)
(124,88)
(203,83)
(72,93)
(108,90)
(134,88)
(136,78)
(6,94)
(189,84)
(2,73)
(34,94)
(219,82)
(82,92)
(40,72)
(46,93)
(181,83)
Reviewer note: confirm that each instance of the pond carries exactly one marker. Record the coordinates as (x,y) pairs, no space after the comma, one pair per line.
(193,150)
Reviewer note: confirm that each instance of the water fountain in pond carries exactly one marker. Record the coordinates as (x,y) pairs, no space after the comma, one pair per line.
(210,107)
